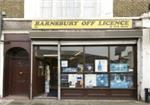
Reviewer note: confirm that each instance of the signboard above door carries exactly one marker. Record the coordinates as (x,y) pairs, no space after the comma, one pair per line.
(82,24)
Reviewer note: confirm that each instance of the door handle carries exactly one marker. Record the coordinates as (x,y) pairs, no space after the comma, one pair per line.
(20,73)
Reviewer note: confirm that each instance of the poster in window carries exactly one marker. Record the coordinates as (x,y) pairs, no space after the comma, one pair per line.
(121,81)
(101,65)
(64,63)
(75,80)
(80,68)
(88,68)
(64,80)
(102,80)
(90,80)
(69,69)
(119,67)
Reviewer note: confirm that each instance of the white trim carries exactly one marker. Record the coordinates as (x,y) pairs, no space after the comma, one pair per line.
(139,68)
(59,74)
(23,19)
(1,66)
(115,42)
(31,74)
(44,42)
(15,32)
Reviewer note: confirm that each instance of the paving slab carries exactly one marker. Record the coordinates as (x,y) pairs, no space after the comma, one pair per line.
(71,102)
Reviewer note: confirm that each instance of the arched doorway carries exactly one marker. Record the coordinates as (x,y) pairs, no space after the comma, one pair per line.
(17,72)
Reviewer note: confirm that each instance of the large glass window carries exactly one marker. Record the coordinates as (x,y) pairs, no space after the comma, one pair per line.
(72,67)
(111,67)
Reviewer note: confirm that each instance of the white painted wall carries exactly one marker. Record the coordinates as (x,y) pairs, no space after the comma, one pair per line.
(1,66)
(33,10)
(145,71)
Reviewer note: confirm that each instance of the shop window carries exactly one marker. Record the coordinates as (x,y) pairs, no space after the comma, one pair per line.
(110,67)
(95,57)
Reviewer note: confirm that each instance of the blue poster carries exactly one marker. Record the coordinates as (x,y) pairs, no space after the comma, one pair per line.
(121,81)
(69,69)
(118,67)
(102,80)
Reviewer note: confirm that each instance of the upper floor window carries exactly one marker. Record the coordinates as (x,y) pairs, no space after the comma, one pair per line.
(74,9)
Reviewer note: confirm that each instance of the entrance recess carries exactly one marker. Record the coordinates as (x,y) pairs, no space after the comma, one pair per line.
(45,82)
(17,72)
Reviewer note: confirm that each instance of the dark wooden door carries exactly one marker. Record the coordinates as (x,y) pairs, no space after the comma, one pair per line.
(20,76)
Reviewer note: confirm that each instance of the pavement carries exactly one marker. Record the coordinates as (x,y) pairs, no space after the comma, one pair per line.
(71,102)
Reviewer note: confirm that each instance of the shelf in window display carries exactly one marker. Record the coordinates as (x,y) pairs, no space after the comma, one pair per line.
(97,88)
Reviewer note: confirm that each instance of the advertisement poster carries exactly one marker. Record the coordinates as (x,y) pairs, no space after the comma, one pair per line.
(75,80)
(69,69)
(102,80)
(90,80)
(101,65)
(64,63)
(64,80)
(118,67)
(80,68)
(88,68)
(121,81)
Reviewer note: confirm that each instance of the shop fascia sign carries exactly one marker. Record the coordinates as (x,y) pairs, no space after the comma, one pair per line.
(82,24)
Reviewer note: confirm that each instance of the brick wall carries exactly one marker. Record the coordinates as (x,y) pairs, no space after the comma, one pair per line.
(13,8)
(125,8)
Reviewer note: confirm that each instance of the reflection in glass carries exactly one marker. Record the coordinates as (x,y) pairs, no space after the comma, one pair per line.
(45,51)
(74,56)
(122,55)
(121,81)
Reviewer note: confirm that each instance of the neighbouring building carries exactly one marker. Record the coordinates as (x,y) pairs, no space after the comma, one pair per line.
(79,49)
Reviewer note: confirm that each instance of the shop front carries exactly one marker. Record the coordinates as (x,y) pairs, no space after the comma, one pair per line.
(85,68)
(90,60)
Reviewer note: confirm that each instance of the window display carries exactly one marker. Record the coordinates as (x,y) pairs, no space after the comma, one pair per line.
(69,69)
(64,80)
(64,63)
(88,68)
(100,65)
(90,80)
(102,80)
(119,67)
(75,80)
(110,67)
(121,81)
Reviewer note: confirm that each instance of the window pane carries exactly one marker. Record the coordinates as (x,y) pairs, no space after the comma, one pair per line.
(121,59)
(90,80)
(121,81)
(102,80)
(94,54)
(74,57)
(43,51)
(72,80)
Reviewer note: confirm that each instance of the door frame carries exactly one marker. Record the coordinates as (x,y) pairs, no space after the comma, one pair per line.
(58,57)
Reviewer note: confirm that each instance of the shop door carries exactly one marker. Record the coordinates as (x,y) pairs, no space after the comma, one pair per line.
(20,76)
